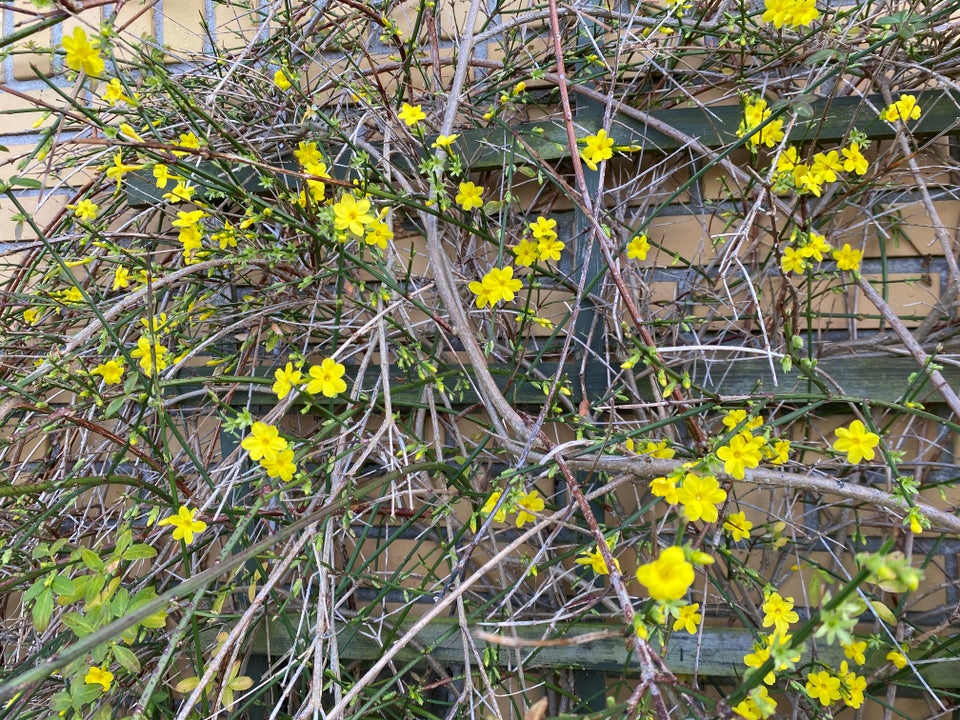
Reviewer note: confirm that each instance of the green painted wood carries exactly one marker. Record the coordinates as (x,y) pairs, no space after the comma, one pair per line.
(884,379)
(821,120)
(717,652)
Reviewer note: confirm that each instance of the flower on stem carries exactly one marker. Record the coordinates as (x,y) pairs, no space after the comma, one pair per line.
(855,650)
(823,687)
(755,114)
(352,215)
(152,356)
(847,258)
(597,148)
(114,93)
(81,55)
(905,108)
(85,210)
(162,174)
(527,505)
(307,154)
(327,378)
(527,252)
(111,371)
(121,278)
(279,464)
(897,658)
(99,676)
(262,440)
(669,576)
(444,142)
(688,618)
(638,247)
(852,686)
(550,249)
(853,159)
(792,13)
(758,705)
(411,114)
(543,229)
(665,487)
(470,196)
(119,168)
(738,526)
(492,502)
(699,497)
(498,284)
(281,80)
(742,452)
(779,612)
(856,441)
(286,379)
(594,558)
(793,261)
(734,418)
(184,526)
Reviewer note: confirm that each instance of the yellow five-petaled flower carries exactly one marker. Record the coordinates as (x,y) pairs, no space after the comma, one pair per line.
(81,55)
(599,147)
(856,442)
(498,284)
(99,676)
(184,526)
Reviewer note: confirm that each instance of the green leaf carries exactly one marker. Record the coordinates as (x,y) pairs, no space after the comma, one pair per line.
(91,559)
(42,610)
(62,585)
(139,552)
(127,659)
(123,542)
(114,405)
(29,183)
(78,623)
(34,590)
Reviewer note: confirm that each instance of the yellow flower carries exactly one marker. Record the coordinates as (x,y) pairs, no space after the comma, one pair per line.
(85,210)
(281,80)
(823,686)
(847,258)
(327,378)
(905,108)
(852,686)
(444,142)
(498,284)
(856,442)
(594,558)
(127,130)
(184,526)
(470,196)
(853,160)
(793,261)
(815,246)
(757,706)
(153,357)
(81,55)
(898,659)
(856,651)
(738,526)
(779,612)
(699,497)
(544,228)
(263,440)
(119,169)
(115,93)
(734,418)
(411,114)
(527,252)
(352,214)
(665,487)
(778,453)
(316,186)
(742,452)
(792,13)
(491,503)
(550,249)
(755,114)
(187,140)
(660,450)
(688,618)
(669,576)
(806,181)
(111,371)
(286,379)
(638,247)
(528,504)
(182,192)
(162,175)
(99,676)
(598,148)
(826,166)
(31,316)
(279,464)
(307,154)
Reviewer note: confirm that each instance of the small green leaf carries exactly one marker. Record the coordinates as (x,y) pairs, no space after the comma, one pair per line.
(127,659)
(62,585)
(42,610)
(139,552)
(91,559)
(78,623)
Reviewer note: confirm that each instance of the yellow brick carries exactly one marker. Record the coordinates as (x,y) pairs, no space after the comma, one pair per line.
(183,33)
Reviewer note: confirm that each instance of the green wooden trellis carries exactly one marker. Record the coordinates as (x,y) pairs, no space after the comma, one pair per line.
(717,651)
